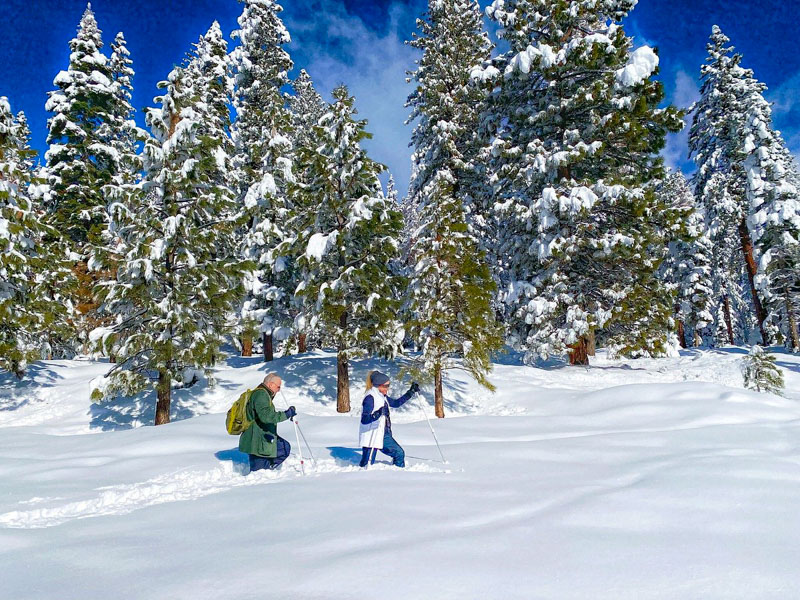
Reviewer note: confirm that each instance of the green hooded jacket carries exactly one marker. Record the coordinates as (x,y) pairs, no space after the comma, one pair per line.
(261,437)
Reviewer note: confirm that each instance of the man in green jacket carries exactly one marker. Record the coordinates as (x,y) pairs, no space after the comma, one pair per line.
(267,450)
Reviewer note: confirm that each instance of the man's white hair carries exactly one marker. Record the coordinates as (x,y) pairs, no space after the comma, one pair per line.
(271,377)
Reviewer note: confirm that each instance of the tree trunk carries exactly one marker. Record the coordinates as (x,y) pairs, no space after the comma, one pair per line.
(268,351)
(752,269)
(301,343)
(342,383)
(698,339)
(578,354)
(18,373)
(726,308)
(792,323)
(438,397)
(681,333)
(247,345)
(163,393)
(591,343)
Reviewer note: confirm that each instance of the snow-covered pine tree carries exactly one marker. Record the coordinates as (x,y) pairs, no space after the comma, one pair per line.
(761,373)
(81,160)
(577,132)
(30,271)
(348,238)
(773,190)
(262,134)
(449,300)
(180,275)
(688,268)
(121,132)
(717,144)
(307,108)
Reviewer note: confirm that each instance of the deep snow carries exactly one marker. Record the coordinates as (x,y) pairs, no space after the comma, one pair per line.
(629,479)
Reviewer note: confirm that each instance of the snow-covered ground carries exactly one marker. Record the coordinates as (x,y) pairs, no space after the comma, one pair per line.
(629,479)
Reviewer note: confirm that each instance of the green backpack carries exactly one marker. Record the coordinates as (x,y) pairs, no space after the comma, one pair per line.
(237,422)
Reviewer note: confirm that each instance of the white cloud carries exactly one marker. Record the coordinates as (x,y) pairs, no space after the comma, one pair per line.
(785,100)
(685,93)
(336,47)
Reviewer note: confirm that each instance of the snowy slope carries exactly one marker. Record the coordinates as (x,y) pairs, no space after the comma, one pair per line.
(629,479)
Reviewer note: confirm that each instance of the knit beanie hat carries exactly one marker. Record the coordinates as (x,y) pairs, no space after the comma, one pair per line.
(377,378)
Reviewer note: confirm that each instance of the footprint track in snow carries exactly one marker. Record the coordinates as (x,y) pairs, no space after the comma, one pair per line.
(170,487)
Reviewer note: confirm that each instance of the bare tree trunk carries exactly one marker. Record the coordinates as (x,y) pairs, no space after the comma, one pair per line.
(752,268)
(438,396)
(726,309)
(247,345)
(342,383)
(578,354)
(342,373)
(698,339)
(591,343)
(681,333)
(18,373)
(268,351)
(163,393)
(302,345)
(792,322)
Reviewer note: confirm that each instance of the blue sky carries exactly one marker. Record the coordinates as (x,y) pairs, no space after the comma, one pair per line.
(361,43)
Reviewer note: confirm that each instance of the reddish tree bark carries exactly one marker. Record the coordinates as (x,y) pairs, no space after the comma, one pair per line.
(752,269)
(579,353)
(681,331)
(247,345)
(726,308)
(342,383)
(438,396)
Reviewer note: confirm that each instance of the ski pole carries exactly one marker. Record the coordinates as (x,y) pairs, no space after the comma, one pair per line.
(299,448)
(305,441)
(297,436)
(424,412)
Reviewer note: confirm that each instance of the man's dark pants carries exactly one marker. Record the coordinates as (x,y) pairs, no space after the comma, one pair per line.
(262,462)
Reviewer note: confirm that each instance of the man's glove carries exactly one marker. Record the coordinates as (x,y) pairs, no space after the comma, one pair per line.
(290,412)
(414,387)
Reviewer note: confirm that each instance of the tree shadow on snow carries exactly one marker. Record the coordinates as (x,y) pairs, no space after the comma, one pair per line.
(16,393)
(127,412)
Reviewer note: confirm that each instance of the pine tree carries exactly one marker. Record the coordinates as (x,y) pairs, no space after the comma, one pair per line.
(773,190)
(761,373)
(576,130)
(78,159)
(180,273)
(307,108)
(81,159)
(262,134)
(450,290)
(717,141)
(348,238)
(30,307)
(121,132)
(688,267)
